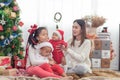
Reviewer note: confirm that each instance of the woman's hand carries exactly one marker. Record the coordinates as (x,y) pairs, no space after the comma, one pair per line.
(61,48)
(63,61)
(64,48)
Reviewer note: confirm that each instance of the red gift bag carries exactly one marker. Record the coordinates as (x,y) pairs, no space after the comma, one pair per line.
(19,63)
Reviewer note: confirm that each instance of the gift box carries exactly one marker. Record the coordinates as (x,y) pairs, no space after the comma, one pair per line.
(2,69)
(106,44)
(96,63)
(97,54)
(105,63)
(5,61)
(97,44)
(106,54)
(10,72)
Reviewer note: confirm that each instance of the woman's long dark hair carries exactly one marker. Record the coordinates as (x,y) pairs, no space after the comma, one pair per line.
(83,28)
(32,40)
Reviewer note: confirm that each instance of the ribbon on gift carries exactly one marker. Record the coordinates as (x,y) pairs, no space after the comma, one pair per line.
(5,61)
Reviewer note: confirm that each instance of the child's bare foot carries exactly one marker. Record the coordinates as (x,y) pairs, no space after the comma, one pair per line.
(66,78)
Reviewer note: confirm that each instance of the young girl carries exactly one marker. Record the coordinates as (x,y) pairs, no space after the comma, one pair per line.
(37,36)
(58,39)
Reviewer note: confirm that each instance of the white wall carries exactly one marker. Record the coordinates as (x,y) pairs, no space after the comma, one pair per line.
(109,9)
(42,12)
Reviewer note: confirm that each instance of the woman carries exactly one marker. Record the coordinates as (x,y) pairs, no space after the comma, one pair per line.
(33,67)
(78,50)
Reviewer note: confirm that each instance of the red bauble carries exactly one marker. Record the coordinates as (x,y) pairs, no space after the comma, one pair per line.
(14,28)
(1,28)
(15,8)
(21,23)
(13,46)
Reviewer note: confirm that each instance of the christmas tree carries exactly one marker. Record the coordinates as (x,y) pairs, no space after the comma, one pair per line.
(10,33)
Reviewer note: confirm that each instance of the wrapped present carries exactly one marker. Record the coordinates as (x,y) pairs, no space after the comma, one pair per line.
(96,63)
(97,44)
(106,54)
(2,69)
(10,72)
(96,54)
(19,63)
(5,61)
(106,44)
(105,63)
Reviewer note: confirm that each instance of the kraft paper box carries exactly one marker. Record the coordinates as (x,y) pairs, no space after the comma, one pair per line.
(97,44)
(10,72)
(5,61)
(105,63)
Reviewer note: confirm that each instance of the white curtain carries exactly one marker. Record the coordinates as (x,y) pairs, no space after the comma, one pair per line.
(42,12)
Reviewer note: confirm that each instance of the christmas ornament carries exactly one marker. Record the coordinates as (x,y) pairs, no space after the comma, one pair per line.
(57,18)
(15,8)
(2,44)
(8,29)
(15,2)
(1,37)
(6,41)
(21,23)
(2,21)
(20,39)
(1,28)
(7,2)
(23,44)
(14,28)
(21,52)
(11,37)
(15,35)
(7,10)
(12,15)
(13,46)
(2,5)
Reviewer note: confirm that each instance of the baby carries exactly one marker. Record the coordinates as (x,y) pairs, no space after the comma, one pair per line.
(57,41)
(44,50)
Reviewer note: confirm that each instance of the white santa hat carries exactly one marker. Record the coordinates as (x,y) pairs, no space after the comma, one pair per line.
(60,34)
(44,44)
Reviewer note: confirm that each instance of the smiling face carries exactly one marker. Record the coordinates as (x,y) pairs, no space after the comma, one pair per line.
(45,51)
(43,36)
(55,37)
(76,29)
